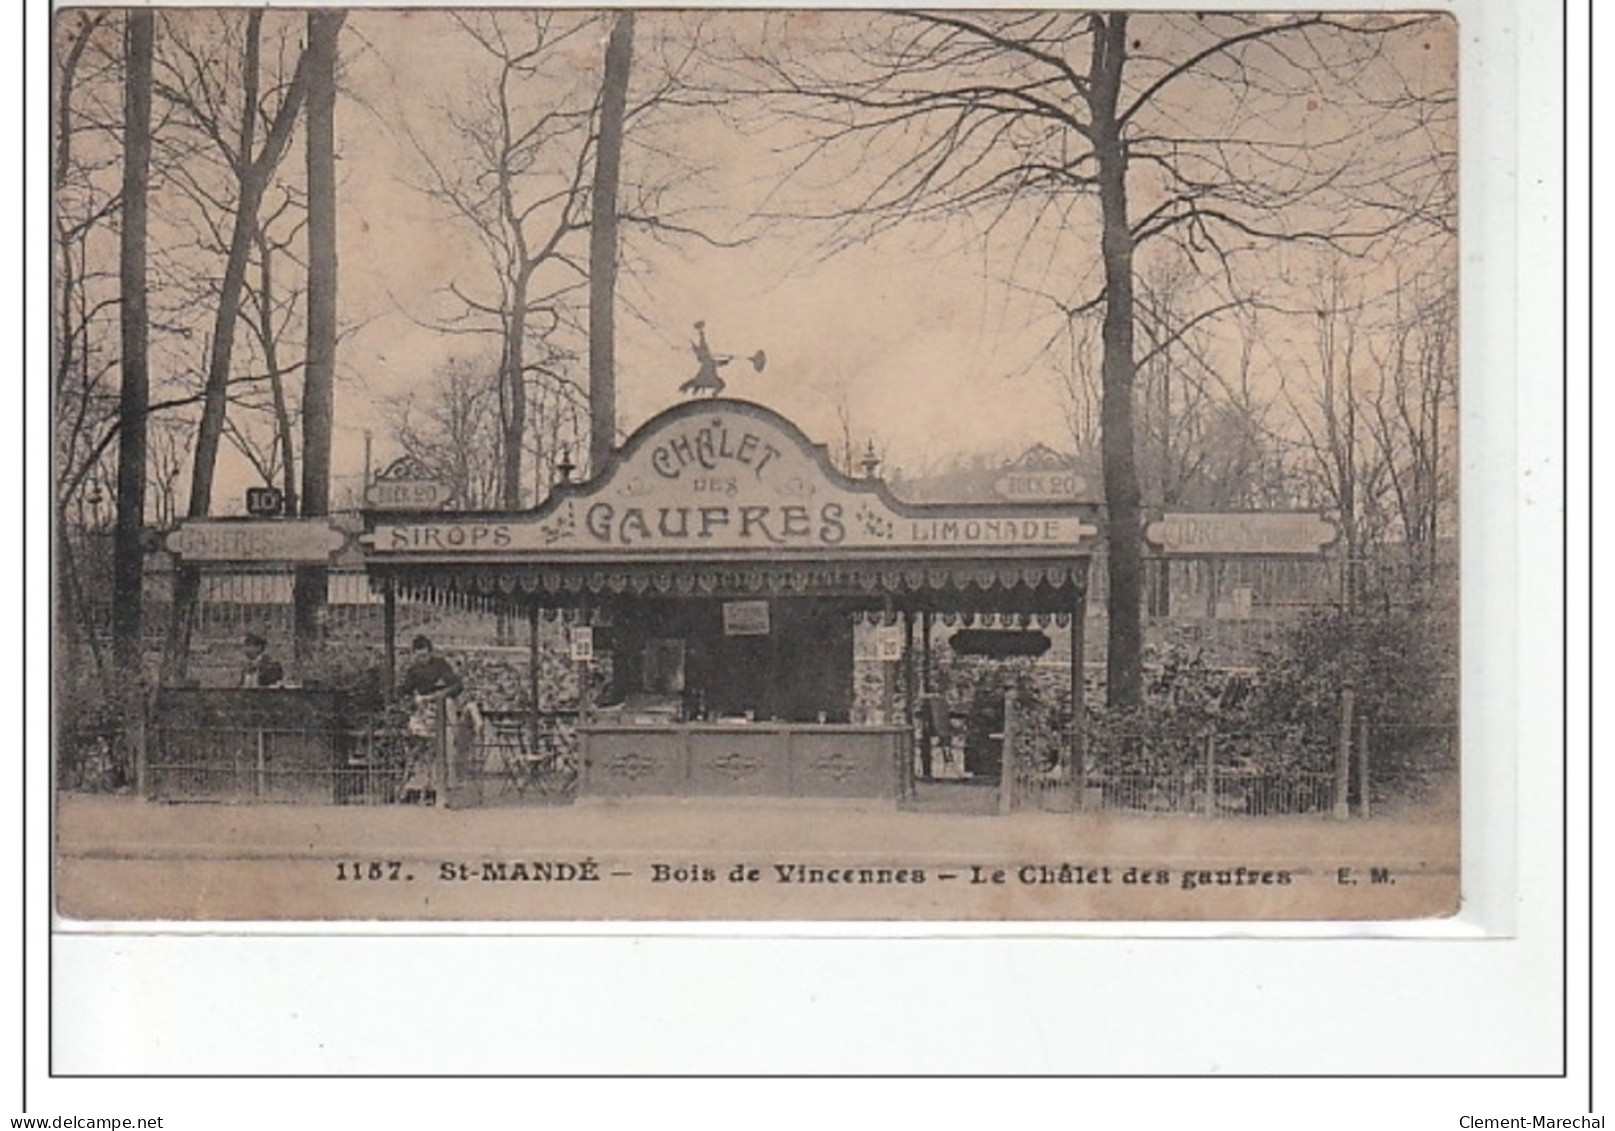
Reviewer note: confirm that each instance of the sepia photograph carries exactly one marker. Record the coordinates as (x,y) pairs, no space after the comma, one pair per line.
(794,465)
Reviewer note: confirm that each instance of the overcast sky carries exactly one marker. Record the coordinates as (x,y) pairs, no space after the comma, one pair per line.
(928,353)
(912,336)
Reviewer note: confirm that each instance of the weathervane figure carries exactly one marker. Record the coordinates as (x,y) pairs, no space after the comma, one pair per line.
(706,381)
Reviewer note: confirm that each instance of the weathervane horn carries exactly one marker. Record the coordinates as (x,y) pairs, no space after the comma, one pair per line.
(706,381)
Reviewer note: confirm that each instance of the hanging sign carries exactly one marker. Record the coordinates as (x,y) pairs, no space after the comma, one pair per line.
(745,618)
(407,495)
(1211,534)
(288,540)
(999,643)
(1040,486)
(265,502)
(889,642)
(1040,475)
(582,640)
(406,484)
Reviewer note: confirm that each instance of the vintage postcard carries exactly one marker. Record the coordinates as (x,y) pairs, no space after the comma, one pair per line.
(568,465)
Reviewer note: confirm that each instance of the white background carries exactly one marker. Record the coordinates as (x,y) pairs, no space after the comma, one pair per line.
(371,1001)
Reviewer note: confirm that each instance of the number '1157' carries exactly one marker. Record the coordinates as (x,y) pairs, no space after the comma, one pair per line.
(370,870)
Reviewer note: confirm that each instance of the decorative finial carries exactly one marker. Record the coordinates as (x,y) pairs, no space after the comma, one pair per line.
(871,462)
(564,467)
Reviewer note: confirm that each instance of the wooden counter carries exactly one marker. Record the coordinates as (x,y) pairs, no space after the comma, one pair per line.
(750,760)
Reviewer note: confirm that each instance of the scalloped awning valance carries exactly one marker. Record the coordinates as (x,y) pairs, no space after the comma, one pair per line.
(1014,585)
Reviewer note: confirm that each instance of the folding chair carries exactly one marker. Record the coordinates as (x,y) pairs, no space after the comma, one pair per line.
(508,738)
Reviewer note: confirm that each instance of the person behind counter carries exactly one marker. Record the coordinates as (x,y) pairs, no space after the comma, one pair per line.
(258,670)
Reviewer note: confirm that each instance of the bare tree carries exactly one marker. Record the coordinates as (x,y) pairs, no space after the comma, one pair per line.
(253,164)
(199,80)
(319,374)
(1411,416)
(269,310)
(1218,134)
(88,176)
(128,569)
(451,427)
(603,240)
(1347,473)
(560,411)
(527,155)
(169,447)
(516,180)
(1205,441)
(1074,356)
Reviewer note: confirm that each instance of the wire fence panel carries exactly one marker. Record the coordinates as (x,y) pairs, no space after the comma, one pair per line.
(268,765)
(1147,793)
(1234,794)
(505,760)
(1276,772)
(1274,794)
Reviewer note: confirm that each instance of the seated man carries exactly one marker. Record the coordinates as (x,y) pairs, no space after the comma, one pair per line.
(259,670)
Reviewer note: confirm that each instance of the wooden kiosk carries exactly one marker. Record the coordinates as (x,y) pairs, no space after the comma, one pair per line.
(719,561)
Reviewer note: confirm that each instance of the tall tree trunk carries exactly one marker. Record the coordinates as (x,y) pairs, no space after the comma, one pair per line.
(128,555)
(513,397)
(603,243)
(250,182)
(1124,651)
(319,373)
(277,383)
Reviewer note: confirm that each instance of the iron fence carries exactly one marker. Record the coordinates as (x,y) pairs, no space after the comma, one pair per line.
(1232,794)
(1384,767)
(500,761)
(516,757)
(279,764)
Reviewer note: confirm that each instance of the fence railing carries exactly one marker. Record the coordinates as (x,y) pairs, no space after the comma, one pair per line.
(1358,769)
(279,764)
(1376,768)
(451,763)
(1232,793)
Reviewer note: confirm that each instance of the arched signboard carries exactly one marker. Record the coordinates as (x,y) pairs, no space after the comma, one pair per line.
(731,477)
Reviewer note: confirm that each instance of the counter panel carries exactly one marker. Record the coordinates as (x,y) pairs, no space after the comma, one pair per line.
(838,765)
(761,760)
(739,762)
(633,761)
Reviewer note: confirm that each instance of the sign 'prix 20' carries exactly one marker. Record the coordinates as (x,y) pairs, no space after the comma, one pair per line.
(724,478)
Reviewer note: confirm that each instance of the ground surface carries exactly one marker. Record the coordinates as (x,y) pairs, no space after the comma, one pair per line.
(119,858)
